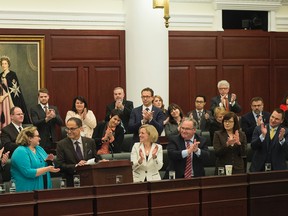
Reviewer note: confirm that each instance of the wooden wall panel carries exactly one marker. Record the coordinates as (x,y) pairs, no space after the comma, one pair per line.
(246,47)
(281,47)
(280,87)
(83,47)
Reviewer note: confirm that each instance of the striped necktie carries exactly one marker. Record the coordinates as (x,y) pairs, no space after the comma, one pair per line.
(188,168)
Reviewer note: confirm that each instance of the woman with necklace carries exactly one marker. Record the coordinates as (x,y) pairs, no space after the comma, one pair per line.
(230,144)
(30,167)
(146,155)
(80,110)
(109,135)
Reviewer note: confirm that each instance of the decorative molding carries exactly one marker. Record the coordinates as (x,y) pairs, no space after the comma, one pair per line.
(30,19)
(282,23)
(189,20)
(266,5)
(191,1)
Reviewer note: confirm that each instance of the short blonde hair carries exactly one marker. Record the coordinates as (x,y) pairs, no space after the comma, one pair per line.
(151,131)
(24,135)
(219,111)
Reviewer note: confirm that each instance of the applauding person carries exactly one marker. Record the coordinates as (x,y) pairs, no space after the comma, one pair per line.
(146,155)
(230,144)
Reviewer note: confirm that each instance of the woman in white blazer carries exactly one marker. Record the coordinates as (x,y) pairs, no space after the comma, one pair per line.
(146,155)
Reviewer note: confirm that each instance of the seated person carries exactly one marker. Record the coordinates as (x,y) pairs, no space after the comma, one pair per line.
(158,102)
(147,155)
(284,103)
(80,110)
(109,135)
(30,163)
(216,123)
(230,144)
(175,115)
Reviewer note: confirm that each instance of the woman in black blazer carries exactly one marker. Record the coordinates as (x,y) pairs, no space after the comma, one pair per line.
(109,135)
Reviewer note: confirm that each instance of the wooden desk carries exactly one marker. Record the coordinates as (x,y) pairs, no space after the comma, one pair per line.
(17,203)
(268,192)
(67,201)
(224,195)
(175,197)
(122,200)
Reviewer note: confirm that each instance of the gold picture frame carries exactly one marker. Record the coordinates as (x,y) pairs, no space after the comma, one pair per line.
(26,53)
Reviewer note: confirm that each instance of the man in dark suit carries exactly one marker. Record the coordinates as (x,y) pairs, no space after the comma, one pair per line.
(146,114)
(74,150)
(10,132)
(202,117)
(45,117)
(270,144)
(187,150)
(254,118)
(121,104)
(226,100)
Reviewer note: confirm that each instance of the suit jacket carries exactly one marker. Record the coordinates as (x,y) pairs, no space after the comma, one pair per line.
(67,157)
(149,168)
(216,100)
(136,117)
(268,151)
(46,129)
(177,163)
(203,123)
(128,106)
(8,138)
(248,123)
(232,155)
(99,133)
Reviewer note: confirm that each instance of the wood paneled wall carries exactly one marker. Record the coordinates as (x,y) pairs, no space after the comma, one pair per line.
(254,62)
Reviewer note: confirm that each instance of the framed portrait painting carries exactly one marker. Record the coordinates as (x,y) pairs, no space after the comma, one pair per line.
(26,55)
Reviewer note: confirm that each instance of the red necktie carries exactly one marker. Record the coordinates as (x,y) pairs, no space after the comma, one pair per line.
(188,168)
(226,104)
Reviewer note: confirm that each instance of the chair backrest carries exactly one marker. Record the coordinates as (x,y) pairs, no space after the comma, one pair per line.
(206,134)
(127,143)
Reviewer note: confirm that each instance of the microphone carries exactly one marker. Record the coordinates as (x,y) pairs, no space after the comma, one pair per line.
(111,150)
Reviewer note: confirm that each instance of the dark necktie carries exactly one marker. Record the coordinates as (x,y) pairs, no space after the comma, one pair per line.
(199,115)
(20,128)
(45,109)
(188,168)
(78,151)
(147,109)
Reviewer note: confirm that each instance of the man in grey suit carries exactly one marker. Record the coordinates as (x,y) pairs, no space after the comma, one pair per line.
(45,117)
(74,150)
(10,132)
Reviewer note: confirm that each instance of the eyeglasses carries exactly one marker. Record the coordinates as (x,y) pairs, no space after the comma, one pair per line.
(183,128)
(19,114)
(228,122)
(144,97)
(222,88)
(71,129)
(199,101)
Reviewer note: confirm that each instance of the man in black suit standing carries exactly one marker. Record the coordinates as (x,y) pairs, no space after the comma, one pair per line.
(254,118)
(270,144)
(224,99)
(187,151)
(45,117)
(74,150)
(121,104)
(202,116)
(10,132)
(146,114)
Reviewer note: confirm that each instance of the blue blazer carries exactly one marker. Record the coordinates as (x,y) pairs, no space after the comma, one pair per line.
(136,117)
(24,165)
(268,151)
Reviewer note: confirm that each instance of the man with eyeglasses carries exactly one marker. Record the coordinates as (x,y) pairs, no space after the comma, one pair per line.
(146,114)
(10,132)
(74,150)
(254,118)
(224,99)
(187,151)
(45,117)
(202,116)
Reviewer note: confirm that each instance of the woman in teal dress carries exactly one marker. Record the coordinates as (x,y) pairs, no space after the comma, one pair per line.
(30,167)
